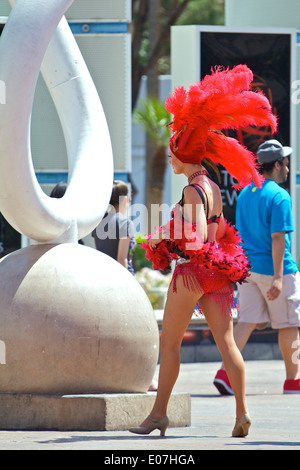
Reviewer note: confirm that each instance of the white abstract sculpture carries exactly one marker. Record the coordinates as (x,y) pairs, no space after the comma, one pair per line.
(23,45)
(72,319)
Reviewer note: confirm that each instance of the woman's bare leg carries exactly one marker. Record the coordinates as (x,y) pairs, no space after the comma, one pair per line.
(221,327)
(177,316)
(178,312)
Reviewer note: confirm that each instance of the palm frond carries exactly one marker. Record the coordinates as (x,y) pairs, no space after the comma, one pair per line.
(154,117)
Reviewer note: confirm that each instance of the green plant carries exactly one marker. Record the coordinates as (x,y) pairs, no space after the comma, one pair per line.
(154,117)
(150,279)
(140,260)
(155,284)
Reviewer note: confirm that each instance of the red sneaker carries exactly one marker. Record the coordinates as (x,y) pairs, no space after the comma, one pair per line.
(222,383)
(292,387)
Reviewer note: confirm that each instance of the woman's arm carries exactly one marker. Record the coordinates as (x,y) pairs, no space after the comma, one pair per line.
(123,250)
(221,229)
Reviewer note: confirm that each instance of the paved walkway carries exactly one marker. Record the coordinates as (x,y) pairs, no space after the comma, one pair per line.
(276,420)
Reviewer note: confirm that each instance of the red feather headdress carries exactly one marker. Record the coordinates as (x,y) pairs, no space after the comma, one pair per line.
(222,100)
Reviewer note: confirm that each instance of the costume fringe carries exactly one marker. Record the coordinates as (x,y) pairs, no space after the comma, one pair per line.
(210,270)
(199,280)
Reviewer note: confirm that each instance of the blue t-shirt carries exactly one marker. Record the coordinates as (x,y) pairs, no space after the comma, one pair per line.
(259,213)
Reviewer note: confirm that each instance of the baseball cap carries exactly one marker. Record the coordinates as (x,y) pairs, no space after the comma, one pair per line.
(272,150)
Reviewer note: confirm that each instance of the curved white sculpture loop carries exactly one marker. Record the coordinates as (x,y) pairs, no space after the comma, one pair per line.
(26,44)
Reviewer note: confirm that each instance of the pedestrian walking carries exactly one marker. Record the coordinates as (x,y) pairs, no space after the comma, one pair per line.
(208,256)
(272,293)
(114,236)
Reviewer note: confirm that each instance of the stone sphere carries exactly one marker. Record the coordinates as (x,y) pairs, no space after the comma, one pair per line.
(74,321)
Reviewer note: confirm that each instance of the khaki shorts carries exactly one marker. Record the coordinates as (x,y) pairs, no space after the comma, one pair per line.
(254,307)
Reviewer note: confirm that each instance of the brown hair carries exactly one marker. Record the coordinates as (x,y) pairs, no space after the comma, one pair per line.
(120,189)
(211,166)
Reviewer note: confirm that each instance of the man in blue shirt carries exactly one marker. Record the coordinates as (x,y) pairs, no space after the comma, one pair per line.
(272,292)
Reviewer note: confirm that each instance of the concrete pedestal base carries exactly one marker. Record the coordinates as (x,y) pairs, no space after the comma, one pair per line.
(73,321)
(110,412)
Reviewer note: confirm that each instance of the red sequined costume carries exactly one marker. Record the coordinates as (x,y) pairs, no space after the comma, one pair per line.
(210,269)
(223,100)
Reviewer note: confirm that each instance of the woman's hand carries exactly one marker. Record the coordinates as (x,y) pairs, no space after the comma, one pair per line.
(154,241)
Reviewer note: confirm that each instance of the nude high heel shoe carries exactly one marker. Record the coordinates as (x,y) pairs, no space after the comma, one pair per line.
(242,426)
(161,425)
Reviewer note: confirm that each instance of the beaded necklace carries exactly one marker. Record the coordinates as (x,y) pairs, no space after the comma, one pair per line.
(197,173)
